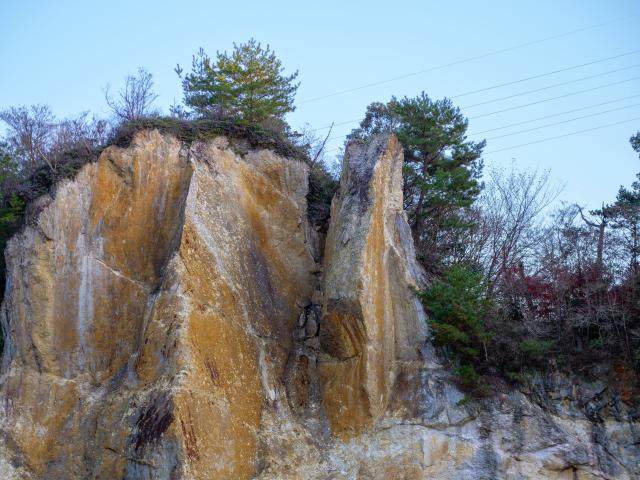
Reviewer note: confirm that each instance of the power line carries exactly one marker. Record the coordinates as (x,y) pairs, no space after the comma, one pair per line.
(518,106)
(336,137)
(551,125)
(547,116)
(561,136)
(525,93)
(469,59)
(553,98)
(541,118)
(562,122)
(553,115)
(568,82)
(346,122)
(333,150)
(540,75)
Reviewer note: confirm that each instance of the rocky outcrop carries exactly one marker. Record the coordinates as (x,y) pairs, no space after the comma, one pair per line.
(166,318)
(371,320)
(149,312)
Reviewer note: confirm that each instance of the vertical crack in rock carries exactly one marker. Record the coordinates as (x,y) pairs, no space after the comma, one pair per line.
(301,374)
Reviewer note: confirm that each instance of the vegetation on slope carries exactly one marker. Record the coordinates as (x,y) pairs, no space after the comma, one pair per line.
(512,292)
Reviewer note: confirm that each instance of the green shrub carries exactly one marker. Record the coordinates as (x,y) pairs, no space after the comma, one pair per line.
(523,377)
(468,376)
(466,400)
(537,348)
(202,129)
(457,307)
(322,187)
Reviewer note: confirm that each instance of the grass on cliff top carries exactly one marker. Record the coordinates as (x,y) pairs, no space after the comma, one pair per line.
(203,129)
(322,185)
(44,179)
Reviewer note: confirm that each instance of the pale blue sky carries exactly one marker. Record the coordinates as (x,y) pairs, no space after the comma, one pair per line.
(63,52)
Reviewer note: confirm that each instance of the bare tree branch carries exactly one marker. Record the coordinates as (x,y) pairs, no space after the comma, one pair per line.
(135,99)
(319,152)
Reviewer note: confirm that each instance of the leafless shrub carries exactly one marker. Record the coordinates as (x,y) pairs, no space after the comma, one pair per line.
(80,131)
(37,139)
(510,211)
(30,134)
(135,99)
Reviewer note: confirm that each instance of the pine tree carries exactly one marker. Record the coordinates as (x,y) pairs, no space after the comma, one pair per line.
(625,215)
(249,84)
(635,143)
(442,169)
(457,307)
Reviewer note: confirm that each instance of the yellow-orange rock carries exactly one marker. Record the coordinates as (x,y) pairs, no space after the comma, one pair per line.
(149,311)
(371,321)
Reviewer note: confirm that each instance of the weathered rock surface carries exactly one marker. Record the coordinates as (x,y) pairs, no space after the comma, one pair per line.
(371,320)
(165,318)
(149,312)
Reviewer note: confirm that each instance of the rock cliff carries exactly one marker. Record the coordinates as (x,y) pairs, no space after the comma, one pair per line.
(167,316)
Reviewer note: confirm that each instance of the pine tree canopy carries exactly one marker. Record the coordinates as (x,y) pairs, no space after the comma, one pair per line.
(248,84)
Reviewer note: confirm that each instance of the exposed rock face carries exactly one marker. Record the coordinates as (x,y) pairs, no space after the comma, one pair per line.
(149,313)
(166,319)
(371,320)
